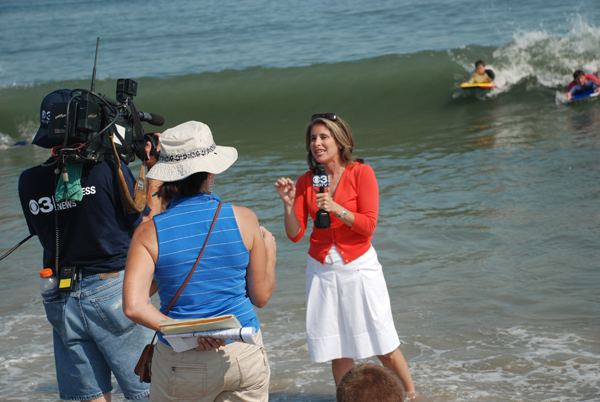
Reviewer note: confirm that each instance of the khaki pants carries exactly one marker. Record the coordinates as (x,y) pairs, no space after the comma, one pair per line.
(236,372)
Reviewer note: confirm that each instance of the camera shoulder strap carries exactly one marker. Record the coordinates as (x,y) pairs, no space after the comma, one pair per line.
(138,130)
(130,204)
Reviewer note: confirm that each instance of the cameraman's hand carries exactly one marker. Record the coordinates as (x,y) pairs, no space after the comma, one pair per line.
(151,161)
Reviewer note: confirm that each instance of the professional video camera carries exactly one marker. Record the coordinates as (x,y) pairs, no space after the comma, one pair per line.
(89,123)
(89,127)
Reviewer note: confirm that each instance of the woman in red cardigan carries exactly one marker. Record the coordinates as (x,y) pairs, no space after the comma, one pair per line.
(348,314)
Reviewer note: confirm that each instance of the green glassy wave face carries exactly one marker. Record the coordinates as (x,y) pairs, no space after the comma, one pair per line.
(388,99)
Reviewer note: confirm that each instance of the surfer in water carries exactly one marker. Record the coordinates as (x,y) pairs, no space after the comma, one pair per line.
(482,75)
(582,83)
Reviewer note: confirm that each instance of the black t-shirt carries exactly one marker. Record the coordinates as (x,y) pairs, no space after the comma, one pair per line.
(95,232)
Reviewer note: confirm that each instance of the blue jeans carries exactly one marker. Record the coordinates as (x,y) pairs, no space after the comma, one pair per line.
(92,338)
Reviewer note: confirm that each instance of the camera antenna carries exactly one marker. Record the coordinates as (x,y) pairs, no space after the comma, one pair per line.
(93,87)
(8,252)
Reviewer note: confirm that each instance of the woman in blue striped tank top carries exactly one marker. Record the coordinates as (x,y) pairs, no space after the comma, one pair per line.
(236,273)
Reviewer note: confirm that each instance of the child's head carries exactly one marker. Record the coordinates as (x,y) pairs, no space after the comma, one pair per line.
(579,77)
(369,382)
(480,67)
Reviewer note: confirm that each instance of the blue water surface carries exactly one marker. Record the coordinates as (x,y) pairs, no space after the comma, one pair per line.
(49,40)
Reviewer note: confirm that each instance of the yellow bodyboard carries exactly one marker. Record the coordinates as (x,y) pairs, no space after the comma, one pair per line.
(483,85)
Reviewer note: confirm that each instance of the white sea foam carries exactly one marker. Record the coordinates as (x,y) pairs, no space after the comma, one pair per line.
(30,323)
(31,368)
(25,132)
(549,59)
(26,361)
(544,59)
(517,363)
(5,141)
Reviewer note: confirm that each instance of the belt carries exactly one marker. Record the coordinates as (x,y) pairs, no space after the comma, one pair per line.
(101,275)
(73,274)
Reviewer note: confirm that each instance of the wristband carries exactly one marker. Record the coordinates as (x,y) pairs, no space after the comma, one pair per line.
(342,214)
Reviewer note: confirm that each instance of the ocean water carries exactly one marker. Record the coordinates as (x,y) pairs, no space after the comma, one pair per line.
(489,222)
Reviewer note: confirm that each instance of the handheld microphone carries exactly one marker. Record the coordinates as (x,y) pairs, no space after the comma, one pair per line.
(321,182)
(152,118)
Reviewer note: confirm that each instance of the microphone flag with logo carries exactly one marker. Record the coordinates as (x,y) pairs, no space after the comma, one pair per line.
(320,184)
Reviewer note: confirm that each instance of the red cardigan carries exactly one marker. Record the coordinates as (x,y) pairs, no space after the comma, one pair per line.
(351,242)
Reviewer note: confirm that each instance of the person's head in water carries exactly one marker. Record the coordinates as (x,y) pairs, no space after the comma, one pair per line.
(579,77)
(368,382)
(480,67)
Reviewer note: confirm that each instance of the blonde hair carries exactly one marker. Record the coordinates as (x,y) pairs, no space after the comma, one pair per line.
(341,132)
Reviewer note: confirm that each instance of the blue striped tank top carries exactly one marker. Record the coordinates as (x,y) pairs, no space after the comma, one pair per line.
(218,286)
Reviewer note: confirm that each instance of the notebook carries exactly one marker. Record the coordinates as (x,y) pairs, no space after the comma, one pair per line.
(188,325)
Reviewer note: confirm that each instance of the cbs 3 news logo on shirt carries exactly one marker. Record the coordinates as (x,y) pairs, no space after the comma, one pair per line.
(46,205)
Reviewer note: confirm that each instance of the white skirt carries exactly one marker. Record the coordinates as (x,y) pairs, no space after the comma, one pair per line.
(348,312)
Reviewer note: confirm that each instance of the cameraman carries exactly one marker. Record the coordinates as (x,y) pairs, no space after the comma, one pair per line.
(154,204)
(92,337)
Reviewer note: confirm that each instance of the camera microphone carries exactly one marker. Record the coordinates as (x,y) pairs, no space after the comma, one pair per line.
(152,118)
(320,183)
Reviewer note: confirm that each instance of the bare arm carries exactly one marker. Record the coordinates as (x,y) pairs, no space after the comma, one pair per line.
(364,219)
(138,284)
(139,272)
(295,205)
(287,192)
(153,201)
(260,276)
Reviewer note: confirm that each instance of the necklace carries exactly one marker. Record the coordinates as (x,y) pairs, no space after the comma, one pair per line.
(335,179)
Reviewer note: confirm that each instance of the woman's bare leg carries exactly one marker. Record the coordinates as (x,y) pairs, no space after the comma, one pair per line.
(395,361)
(341,367)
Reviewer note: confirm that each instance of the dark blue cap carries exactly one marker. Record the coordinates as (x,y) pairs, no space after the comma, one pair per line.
(59,96)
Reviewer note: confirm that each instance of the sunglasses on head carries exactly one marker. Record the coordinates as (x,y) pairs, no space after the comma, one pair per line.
(328,116)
